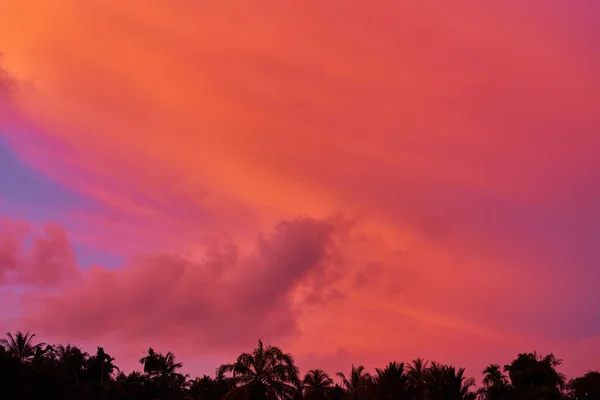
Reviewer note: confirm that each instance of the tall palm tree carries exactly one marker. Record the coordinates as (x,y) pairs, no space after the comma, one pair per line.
(157,364)
(101,365)
(435,386)
(267,373)
(317,385)
(72,361)
(445,382)
(20,345)
(150,361)
(162,369)
(457,384)
(357,384)
(416,375)
(391,381)
(495,384)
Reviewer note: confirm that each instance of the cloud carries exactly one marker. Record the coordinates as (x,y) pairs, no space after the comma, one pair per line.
(45,260)
(7,92)
(10,247)
(5,83)
(223,300)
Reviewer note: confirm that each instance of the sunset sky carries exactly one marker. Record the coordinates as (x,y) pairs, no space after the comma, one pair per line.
(356,182)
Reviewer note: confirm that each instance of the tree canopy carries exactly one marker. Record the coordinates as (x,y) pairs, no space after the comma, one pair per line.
(31,371)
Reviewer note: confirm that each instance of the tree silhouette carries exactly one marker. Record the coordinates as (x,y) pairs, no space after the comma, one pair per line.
(265,373)
(72,361)
(317,385)
(391,382)
(132,387)
(31,371)
(535,377)
(337,393)
(495,384)
(445,382)
(357,384)
(10,370)
(204,388)
(416,375)
(20,345)
(586,387)
(162,372)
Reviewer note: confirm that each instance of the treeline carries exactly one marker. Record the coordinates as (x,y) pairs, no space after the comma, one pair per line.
(41,371)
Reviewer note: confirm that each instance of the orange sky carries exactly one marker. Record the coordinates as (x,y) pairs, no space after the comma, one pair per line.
(357,182)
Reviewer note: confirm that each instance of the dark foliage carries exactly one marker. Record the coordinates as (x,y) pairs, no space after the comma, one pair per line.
(38,371)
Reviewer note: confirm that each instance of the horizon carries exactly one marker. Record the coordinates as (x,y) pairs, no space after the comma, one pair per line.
(348,182)
(90,351)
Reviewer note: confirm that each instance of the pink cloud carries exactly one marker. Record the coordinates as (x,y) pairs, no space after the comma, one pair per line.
(222,300)
(11,237)
(48,260)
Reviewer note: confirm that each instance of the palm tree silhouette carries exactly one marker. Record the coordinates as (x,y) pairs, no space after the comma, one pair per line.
(357,384)
(20,345)
(46,352)
(267,373)
(162,370)
(101,365)
(416,374)
(159,365)
(317,385)
(73,361)
(495,384)
(445,382)
(456,386)
(391,381)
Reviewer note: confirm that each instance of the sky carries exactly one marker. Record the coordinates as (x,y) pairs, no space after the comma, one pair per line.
(355,182)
